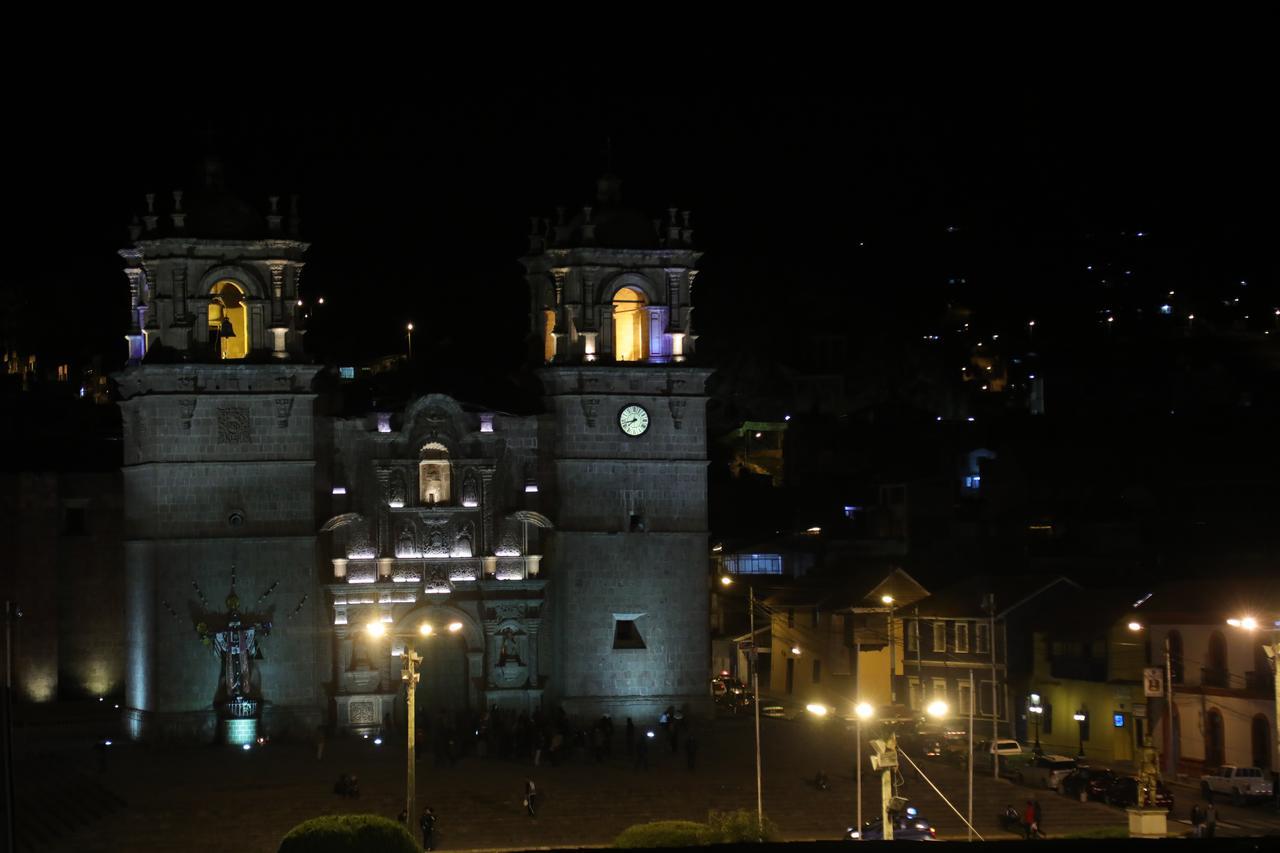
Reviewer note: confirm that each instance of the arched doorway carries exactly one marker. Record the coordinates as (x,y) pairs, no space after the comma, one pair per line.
(630,325)
(1214,739)
(1261,742)
(443,685)
(229,319)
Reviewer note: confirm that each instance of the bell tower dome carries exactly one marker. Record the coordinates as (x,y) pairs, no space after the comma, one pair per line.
(213,279)
(610,284)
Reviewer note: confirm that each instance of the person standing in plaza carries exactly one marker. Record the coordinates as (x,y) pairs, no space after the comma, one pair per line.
(1197,821)
(1039,814)
(530,798)
(1210,820)
(428,824)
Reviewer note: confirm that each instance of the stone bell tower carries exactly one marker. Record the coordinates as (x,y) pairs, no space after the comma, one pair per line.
(612,320)
(219,466)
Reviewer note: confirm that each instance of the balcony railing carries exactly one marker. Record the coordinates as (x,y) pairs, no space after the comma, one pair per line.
(1214,677)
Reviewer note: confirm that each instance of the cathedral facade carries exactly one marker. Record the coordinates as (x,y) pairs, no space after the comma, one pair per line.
(281,559)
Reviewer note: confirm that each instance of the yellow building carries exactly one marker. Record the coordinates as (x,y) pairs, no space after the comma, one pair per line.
(1088,664)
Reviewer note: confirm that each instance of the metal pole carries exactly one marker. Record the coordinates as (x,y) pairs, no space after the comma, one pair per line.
(410,676)
(886,794)
(858,776)
(11,611)
(755,685)
(893,664)
(972,697)
(995,695)
(1170,745)
(858,733)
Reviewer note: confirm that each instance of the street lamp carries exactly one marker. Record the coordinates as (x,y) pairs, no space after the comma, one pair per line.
(887,601)
(861,711)
(409,332)
(410,674)
(1081,717)
(1037,710)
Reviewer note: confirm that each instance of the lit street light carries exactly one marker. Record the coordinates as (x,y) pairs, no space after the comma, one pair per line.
(887,601)
(1036,709)
(409,332)
(410,675)
(862,711)
(1081,717)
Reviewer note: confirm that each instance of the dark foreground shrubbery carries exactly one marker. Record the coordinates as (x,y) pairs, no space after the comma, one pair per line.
(349,833)
(720,828)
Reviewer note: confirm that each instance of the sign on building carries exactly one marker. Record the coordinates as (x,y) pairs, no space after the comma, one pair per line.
(1153,681)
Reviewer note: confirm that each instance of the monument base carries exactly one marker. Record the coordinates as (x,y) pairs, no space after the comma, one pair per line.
(238,731)
(1148,823)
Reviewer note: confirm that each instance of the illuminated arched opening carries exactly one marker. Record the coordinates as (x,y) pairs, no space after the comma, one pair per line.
(548,335)
(434,476)
(630,325)
(229,319)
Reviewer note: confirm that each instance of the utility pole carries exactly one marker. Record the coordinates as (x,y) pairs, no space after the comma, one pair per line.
(972,699)
(995,695)
(885,759)
(755,687)
(857,713)
(410,675)
(1170,745)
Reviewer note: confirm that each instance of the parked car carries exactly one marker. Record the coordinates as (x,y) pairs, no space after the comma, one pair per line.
(1242,784)
(1007,754)
(1088,783)
(908,826)
(1046,771)
(1124,792)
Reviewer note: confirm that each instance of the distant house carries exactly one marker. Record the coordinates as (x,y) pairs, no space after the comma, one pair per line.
(957,645)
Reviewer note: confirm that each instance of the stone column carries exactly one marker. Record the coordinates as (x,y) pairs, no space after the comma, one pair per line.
(531,627)
(487,499)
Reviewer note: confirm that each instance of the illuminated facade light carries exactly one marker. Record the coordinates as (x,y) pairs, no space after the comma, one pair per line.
(425,629)
(339,490)
(376,629)
(455,627)
(864,710)
(1135,626)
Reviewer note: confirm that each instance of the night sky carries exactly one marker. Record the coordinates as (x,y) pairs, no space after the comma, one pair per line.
(809,193)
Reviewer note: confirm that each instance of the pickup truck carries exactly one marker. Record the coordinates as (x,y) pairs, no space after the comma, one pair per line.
(1240,783)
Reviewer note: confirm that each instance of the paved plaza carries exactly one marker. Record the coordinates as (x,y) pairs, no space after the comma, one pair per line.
(201,798)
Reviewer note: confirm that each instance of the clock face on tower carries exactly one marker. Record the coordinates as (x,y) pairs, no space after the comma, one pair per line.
(634,420)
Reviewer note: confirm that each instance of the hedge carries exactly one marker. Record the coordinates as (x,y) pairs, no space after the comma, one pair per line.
(720,828)
(349,833)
